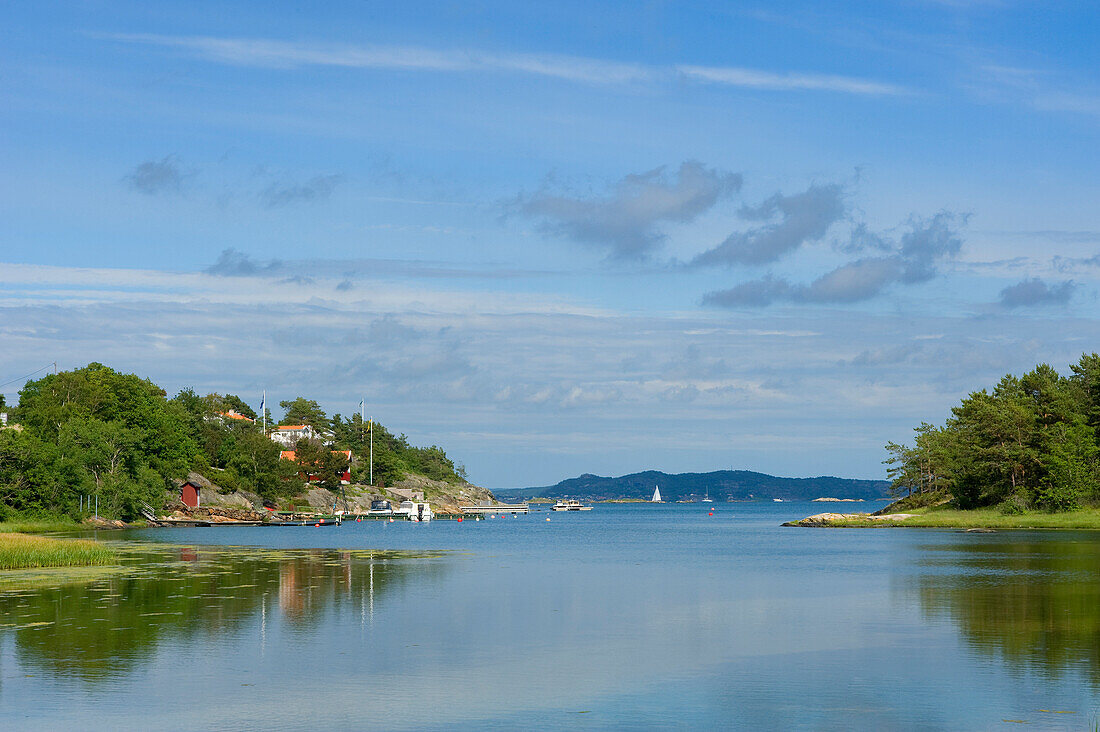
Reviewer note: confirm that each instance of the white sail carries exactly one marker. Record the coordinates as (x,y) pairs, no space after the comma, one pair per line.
(656,495)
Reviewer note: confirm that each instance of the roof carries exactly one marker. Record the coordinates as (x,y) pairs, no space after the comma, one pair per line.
(292,427)
(235,415)
(292,455)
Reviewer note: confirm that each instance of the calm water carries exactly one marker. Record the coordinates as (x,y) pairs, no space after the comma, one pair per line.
(625,617)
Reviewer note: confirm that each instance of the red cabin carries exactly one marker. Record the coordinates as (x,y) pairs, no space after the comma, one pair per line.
(189,494)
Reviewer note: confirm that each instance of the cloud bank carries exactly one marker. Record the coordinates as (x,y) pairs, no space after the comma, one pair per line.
(910,260)
(1035,292)
(803,217)
(625,223)
(156,176)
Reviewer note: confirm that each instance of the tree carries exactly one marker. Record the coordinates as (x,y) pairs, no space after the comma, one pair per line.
(1031,441)
(903,471)
(1070,464)
(305,411)
(238,405)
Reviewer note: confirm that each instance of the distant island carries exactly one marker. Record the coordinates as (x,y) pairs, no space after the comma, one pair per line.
(721,485)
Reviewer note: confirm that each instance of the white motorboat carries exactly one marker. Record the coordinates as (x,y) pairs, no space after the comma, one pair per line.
(570,505)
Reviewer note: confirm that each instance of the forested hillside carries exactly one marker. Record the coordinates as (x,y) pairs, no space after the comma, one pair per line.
(1030,442)
(96,432)
(722,485)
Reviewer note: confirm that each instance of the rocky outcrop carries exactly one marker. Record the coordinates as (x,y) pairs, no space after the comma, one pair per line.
(101,523)
(847,519)
(444,497)
(211,494)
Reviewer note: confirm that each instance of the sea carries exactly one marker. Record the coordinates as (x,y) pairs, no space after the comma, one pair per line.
(626,617)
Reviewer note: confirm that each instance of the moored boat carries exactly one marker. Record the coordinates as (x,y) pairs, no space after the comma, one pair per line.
(570,505)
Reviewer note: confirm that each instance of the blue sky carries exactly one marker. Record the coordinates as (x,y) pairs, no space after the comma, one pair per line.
(559,238)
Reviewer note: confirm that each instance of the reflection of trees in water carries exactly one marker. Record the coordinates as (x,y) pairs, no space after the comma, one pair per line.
(1034,602)
(105,627)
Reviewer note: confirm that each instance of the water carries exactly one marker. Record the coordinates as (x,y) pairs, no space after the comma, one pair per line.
(625,617)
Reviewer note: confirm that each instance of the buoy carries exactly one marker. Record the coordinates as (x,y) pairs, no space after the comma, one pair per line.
(711,513)
(460,521)
(317,524)
(547,518)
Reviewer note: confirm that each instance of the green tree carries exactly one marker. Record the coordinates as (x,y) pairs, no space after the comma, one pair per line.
(305,411)
(1070,464)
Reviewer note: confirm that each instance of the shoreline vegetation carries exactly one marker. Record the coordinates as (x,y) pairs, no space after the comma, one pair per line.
(97,441)
(26,551)
(942,517)
(1025,454)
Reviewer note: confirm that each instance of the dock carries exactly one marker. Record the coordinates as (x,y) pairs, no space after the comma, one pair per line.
(499,508)
(296,519)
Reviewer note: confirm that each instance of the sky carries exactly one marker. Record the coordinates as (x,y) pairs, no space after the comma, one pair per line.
(558,238)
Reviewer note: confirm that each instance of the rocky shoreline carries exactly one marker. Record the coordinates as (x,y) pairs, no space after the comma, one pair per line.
(824,520)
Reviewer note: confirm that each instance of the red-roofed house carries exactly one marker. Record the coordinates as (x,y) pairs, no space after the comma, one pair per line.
(289,434)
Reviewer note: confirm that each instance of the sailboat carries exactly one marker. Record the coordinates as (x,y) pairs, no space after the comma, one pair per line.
(656,495)
(707,498)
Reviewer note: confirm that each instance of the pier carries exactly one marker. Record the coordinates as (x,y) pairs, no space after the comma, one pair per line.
(499,508)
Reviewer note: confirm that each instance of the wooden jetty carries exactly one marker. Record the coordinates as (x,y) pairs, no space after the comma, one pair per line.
(498,508)
(296,519)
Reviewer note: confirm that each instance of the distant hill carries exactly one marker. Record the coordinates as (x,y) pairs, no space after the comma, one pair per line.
(724,485)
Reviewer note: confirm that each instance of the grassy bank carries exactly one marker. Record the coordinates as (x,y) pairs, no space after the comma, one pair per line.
(36,526)
(983,518)
(22,551)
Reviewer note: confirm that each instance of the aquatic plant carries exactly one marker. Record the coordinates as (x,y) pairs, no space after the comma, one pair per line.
(20,551)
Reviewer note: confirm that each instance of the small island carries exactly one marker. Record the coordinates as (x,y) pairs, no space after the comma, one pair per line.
(1024,454)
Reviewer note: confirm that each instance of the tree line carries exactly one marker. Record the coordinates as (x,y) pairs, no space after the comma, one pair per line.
(94,431)
(1028,443)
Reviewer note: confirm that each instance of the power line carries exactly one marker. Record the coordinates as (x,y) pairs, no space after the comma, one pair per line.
(24,378)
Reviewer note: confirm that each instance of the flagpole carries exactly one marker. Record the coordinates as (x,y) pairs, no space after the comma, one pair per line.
(263,410)
(372,450)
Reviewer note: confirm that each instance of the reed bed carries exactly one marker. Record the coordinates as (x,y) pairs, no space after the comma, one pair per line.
(22,551)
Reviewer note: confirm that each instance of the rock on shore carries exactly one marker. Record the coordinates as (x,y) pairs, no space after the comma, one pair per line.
(834,519)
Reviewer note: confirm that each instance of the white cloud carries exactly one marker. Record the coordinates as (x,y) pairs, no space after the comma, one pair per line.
(284,54)
(275,54)
(758,79)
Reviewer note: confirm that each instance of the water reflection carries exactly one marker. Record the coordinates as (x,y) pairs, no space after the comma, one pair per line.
(103,627)
(1032,600)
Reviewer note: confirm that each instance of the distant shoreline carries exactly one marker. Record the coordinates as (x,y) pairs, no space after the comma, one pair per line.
(948,518)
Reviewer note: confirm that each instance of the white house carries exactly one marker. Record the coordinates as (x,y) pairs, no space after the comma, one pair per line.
(289,434)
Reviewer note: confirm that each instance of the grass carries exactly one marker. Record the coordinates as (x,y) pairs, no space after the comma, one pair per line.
(987,518)
(22,551)
(34,526)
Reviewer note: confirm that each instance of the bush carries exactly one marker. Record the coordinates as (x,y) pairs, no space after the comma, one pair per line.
(1015,506)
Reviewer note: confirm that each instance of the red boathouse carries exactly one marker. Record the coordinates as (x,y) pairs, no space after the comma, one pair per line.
(189,494)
